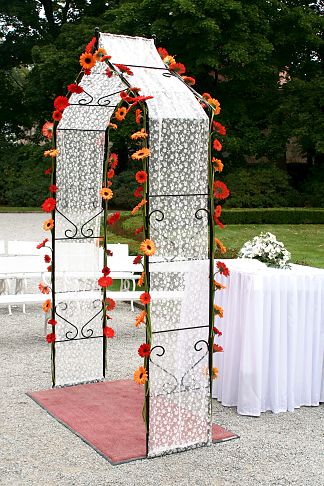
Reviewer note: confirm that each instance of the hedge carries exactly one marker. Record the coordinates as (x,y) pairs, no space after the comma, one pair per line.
(273,216)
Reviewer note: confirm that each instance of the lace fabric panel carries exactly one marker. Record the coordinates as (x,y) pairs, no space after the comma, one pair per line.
(179,408)
(78,263)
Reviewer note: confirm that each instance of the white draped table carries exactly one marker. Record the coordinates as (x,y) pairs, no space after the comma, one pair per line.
(273,338)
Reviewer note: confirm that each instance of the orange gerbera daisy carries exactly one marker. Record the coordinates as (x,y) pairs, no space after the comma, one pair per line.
(218,310)
(142,203)
(220,246)
(100,53)
(51,153)
(140,281)
(140,375)
(221,190)
(48,224)
(214,373)
(43,288)
(218,164)
(47,305)
(189,80)
(112,125)
(141,134)
(169,60)
(141,154)
(140,319)
(215,104)
(47,130)
(218,286)
(87,60)
(148,247)
(106,193)
(121,113)
(141,176)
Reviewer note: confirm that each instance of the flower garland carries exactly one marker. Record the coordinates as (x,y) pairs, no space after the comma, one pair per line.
(131,99)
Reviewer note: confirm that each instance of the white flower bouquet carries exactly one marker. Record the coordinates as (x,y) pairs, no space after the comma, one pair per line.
(267,249)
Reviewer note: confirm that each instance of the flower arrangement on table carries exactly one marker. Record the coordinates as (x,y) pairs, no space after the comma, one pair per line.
(130,99)
(267,249)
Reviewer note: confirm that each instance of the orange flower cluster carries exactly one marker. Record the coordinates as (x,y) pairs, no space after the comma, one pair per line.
(142,203)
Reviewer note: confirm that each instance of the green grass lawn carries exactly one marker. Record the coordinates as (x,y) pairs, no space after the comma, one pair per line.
(304,241)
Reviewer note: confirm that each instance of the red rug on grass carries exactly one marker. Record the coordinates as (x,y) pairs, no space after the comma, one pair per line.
(107,416)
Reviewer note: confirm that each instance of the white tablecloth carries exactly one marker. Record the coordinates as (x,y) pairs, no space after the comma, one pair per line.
(273,338)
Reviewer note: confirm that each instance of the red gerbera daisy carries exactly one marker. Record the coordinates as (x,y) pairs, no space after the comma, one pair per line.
(139,230)
(47,130)
(217,145)
(109,253)
(219,128)
(222,268)
(110,304)
(105,271)
(108,332)
(49,205)
(221,190)
(138,113)
(137,259)
(90,44)
(47,259)
(52,322)
(144,350)
(145,298)
(163,52)
(87,71)
(138,192)
(124,69)
(75,88)
(109,72)
(113,218)
(105,281)
(189,80)
(178,67)
(51,337)
(43,243)
(217,213)
(217,331)
(49,268)
(60,103)
(57,115)
(110,173)
(48,171)
(141,176)
(113,160)
(217,348)
(53,188)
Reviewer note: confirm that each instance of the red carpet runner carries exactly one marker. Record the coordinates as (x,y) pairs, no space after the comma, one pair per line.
(107,416)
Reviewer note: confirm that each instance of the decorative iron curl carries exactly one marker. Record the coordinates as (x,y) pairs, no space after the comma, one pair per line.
(200,216)
(67,231)
(63,307)
(158,211)
(197,348)
(89,230)
(167,74)
(84,101)
(165,384)
(104,101)
(89,332)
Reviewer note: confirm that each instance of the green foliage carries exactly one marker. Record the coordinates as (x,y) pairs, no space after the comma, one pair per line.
(255,187)
(273,216)
(22,181)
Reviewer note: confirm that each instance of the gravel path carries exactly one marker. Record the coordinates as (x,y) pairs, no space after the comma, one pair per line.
(275,450)
(278,450)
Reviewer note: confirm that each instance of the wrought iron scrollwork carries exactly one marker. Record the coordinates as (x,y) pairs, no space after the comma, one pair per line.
(85,333)
(172,386)
(68,231)
(89,230)
(71,234)
(85,101)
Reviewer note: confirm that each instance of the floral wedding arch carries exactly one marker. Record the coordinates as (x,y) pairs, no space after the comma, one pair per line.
(178,146)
